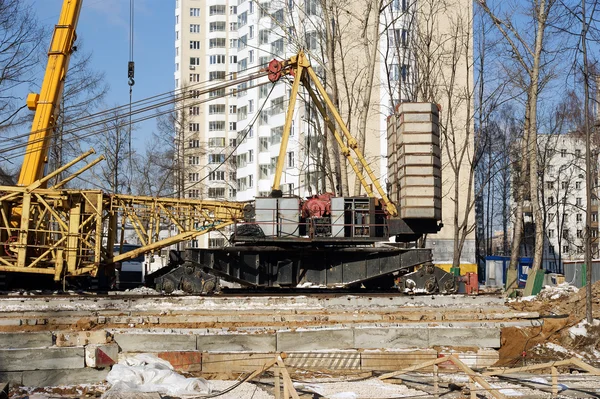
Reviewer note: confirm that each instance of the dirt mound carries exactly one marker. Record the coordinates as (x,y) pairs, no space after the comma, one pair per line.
(552,337)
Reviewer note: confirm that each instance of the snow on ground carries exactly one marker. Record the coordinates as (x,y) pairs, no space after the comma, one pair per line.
(581,329)
(552,292)
(371,388)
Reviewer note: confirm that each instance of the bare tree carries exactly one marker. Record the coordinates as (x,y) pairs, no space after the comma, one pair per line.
(527,52)
(20,54)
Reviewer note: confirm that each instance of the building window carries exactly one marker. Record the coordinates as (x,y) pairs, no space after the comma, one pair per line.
(579,233)
(563,152)
(216,75)
(216,192)
(217,59)
(218,42)
(290,159)
(263,144)
(194,160)
(310,7)
(214,109)
(214,126)
(250,106)
(251,7)
(242,113)
(194,77)
(194,111)
(217,175)
(563,185)
(277,46)
(194,127)
(550,233)
(250,181)
(551,249)
(232,10)
(216,158)
(594,216)
(263,172)
(594,233)
(194,61)
(233,43)
(242,19)
(311,40)
(233,26)
(579,217)
(394,73)
(217,93)
(232,109)
(251,57)
(565,249)
(243,42)
(194,28)
(194,143)
(194,45)
(193,193)
(578,185)
(550,200)
(232,126)
(218,26)
(193,176)
(217,10)
(194,12)
(578,153)
(250,156)
(216,142)
(263,36)
(578,201)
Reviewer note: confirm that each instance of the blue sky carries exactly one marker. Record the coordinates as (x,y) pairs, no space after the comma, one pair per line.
(104,29)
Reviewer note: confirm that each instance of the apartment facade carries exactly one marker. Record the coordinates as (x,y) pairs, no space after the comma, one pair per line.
(206,130)
(563,200)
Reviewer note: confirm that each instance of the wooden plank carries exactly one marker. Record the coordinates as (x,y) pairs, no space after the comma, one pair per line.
(414,368)
(287,379)
(476,377)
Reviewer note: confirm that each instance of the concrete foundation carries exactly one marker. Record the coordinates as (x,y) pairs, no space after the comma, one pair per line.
(41,359)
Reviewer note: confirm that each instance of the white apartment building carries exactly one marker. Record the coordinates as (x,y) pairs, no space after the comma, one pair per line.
(205,57)
(563,199)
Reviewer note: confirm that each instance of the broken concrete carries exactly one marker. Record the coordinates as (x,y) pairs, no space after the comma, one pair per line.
(101,355)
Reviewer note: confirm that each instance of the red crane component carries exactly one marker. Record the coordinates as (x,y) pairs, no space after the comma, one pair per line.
(317,206)
(274,70)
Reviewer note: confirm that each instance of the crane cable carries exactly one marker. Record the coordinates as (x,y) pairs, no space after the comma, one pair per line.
(131,82)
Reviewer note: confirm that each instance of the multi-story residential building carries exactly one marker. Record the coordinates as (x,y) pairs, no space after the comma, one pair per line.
(563,200)
(206,57)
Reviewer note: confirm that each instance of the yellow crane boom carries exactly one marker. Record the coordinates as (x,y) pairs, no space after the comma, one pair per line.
(46,104)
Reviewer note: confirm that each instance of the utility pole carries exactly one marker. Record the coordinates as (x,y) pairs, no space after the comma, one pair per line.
(589,181)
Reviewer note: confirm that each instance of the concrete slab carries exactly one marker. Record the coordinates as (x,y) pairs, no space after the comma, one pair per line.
(101,355)
(51,378)
(25,340)
(391,338)
(12,377)
(155,342)
(236,343)
(80,338)
(45,359)
(299,341)
(397,360)
(234,363)
(464,337)
(324,360)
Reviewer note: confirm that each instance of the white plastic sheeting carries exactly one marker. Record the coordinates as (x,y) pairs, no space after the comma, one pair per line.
(148,373)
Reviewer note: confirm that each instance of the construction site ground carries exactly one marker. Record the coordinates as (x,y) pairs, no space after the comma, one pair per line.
(331,345)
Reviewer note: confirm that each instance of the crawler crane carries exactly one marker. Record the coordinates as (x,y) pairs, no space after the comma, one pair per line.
(278,241)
